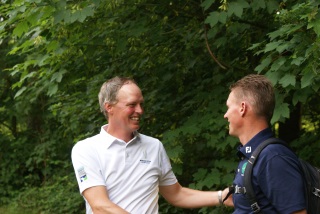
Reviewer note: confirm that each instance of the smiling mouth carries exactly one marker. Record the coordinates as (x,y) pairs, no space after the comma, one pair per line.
(135,118)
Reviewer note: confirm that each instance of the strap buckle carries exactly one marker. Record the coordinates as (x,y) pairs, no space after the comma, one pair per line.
(239,190)
(255,208)
(316,192)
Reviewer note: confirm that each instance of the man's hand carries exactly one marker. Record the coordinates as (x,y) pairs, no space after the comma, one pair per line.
(228,202)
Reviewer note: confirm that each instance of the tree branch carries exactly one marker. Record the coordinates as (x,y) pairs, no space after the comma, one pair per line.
(212,55)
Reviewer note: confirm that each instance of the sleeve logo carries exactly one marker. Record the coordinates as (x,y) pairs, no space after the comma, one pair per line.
(82,174)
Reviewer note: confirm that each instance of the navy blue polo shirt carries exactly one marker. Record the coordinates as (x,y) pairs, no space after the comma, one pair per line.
(277,179)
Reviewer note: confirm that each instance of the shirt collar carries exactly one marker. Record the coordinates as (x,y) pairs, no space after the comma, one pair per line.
(252,144)
(109,139)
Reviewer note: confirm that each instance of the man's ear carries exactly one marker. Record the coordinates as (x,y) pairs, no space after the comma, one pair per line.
(243,109)
(108,107)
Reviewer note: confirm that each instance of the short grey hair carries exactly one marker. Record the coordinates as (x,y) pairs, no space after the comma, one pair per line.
(109,91)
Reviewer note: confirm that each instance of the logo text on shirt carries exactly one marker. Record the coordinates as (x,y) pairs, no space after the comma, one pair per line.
(145,161)
(82,174)
(248,149)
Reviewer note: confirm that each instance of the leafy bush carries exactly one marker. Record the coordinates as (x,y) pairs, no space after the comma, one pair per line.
(60,195)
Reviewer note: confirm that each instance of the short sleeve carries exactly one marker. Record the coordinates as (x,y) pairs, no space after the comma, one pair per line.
(167,177)
(86,166)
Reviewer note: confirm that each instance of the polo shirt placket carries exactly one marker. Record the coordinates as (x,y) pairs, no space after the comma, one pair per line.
(130,151)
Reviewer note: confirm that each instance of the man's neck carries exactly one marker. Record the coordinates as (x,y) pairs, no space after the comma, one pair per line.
(122,135)
(251,130)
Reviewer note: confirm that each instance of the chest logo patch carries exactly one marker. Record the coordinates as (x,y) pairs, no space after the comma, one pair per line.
(243,168)
(248,149)
(145,160)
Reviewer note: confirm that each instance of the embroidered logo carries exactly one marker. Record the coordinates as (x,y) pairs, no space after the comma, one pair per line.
(243,168)
(145,160)
(248,149)
(82,174)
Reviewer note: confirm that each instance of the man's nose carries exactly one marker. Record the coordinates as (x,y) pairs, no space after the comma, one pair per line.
(139,108)
(225,116)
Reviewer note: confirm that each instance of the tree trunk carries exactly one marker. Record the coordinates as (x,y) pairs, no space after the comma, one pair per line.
(290,129)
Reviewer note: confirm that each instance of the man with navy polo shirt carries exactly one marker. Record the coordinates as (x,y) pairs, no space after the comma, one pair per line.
(277,180)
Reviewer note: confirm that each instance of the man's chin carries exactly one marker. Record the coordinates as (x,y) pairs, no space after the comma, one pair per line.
(135,127)
(231,133)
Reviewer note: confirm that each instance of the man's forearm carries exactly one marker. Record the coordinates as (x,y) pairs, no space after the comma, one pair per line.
(108,209)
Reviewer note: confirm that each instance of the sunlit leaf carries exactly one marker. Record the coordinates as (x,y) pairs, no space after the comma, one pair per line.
(21,28)
(21,90)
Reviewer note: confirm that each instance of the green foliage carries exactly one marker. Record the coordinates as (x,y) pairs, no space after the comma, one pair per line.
(56,55)
(58,196)
(294,45)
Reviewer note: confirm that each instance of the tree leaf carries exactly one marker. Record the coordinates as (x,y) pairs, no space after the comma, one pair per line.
(298,61)
(22,27)
(21,90)
(284,110)
(288,79)
(211,179)
(87,11)
(278,63)
(272,46)
(223,17)
(272,5)
(200,174)
(258,4)
(315,24)
(254,46)
(52,90)
(283,46)
(57,76)
(235,8)
(307,79)
(273,76)
(52,46)
(275,34)
(213,18)
(264,64)
(207,3)
(299,96)
(281,111)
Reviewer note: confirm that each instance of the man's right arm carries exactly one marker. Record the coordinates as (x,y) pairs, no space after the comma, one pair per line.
(300,212)
(98,199)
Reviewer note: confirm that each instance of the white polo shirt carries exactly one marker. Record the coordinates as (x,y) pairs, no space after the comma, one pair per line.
(131,172)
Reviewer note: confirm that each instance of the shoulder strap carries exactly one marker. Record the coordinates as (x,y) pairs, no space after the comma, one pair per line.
(248,172)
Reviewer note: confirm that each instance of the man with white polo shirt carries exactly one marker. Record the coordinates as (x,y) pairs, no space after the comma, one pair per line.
(121,170)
